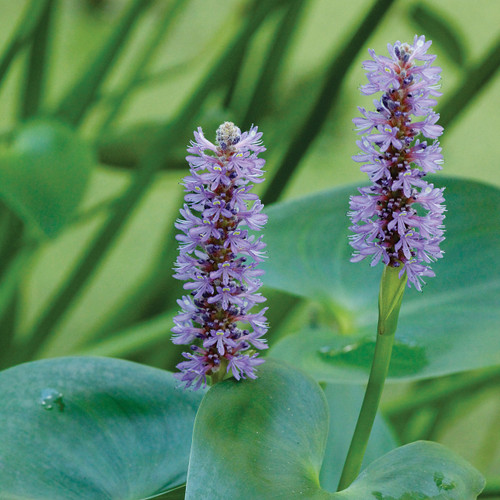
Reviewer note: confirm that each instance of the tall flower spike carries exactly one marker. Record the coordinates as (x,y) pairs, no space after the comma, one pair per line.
(395,153)
(218,258)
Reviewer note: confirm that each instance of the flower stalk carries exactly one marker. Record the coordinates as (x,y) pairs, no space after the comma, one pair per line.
(398,220)
(392,288)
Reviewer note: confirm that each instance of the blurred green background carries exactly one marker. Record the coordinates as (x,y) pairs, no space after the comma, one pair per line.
(124,307)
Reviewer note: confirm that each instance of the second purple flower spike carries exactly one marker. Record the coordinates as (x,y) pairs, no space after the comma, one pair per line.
(219,258)
(399,218)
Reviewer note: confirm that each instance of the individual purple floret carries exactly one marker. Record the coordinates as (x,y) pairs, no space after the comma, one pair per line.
(218,257)
(399,218)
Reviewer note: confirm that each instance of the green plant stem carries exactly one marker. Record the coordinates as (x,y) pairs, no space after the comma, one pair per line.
(22,35)
(328,96)
(474,81)
(261,97)
(34,83)
(390,298)
(9,287)
(470,382)
(76,103)
(154,41)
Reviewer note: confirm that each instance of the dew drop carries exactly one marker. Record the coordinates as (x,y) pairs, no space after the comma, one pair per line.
(51,397)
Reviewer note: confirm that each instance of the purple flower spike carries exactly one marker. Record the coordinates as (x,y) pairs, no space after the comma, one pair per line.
(219,259)
(399,218)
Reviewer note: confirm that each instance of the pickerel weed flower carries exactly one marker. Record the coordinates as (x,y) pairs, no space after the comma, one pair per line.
(218,257)
(399,218)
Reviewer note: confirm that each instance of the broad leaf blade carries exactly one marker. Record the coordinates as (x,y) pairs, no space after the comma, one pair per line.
(451,326)
(417,471)
(121,430)
(261,438)
(44,175)
(265,438)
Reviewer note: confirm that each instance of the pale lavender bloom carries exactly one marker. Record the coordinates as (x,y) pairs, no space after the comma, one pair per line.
(396,155)
(218,257)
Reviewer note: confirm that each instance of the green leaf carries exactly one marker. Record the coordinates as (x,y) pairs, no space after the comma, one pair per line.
(436,27)
(265,438)
(261,438)
(44,174)
(119,430)
(451,326)
(344,403)
(417,471)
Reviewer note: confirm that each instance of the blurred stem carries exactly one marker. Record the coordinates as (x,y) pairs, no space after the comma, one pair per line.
(132,339)
(390,298)
(22,35)
(328,96)
(142,60)
(469,382)
(273,64)
(34,82)
(254,11)
(75,104)
(153,160)
(475,79)
(8,288)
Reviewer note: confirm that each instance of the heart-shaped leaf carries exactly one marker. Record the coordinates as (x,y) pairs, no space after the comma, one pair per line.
(261,438)
(95,428)
(417,471)
(451,326)
(44,174)
(265,438)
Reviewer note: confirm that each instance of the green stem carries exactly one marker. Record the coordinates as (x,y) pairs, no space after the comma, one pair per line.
(23,33)
(390,298)
(261,98)
(330,91)
(435,393)
(34,82)
(154,41)
(76,103)
(220,374)
(474,81)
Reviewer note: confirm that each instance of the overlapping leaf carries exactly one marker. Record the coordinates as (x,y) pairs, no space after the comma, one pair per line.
(451,326)
(266,438)
(95,428)
(44,174)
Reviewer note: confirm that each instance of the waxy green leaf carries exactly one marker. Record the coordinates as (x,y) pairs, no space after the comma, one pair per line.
(261,438)
(265,438)
(95,428)
(451,326)
(417,471)
(43,175)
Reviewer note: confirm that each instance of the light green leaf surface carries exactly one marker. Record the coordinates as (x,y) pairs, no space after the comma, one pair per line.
(43,175)
(120,430)
(451,326)
(265,439)
(259,439)
(417,471)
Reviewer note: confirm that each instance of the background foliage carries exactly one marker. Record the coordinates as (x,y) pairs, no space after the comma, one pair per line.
(90,189)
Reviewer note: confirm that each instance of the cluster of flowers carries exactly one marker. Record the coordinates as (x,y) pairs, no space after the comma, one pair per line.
(388,223)
(218,258)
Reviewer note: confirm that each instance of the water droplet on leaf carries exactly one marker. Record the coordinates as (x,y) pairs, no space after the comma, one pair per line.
(51,397)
